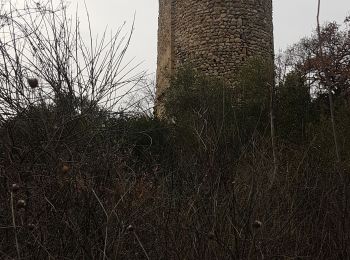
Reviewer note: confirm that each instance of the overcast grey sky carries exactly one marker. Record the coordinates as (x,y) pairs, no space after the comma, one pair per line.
(293,19)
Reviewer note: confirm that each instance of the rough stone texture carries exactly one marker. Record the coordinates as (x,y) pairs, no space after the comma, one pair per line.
(165,45)
(214,36)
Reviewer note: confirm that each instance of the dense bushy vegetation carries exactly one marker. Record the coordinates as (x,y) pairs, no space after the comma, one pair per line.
(79,181)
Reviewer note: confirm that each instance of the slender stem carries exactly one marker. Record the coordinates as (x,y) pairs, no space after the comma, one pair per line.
(330,95)
(14,226)
(273,134)
(143,249)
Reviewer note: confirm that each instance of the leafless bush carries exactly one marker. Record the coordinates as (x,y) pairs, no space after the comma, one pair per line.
(77,182)
(45,58)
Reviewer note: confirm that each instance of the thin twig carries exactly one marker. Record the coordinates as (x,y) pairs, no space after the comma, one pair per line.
(14,226)
(107,220)
(143,249)
(330,95)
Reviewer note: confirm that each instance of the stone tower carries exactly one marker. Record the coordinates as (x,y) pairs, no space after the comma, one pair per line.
(214,36)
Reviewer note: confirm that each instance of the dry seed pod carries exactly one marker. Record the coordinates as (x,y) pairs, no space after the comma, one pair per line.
(130,228)
(211,235)
(257,224)
(31,226)
(33,82)
(15,187)
(21,204)
(65,168)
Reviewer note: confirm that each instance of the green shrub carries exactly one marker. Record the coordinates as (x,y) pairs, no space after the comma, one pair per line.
(294,109)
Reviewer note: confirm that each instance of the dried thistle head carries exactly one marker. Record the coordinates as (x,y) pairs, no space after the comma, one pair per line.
(31,226)
(15,187)
(211,235)
(33,82)
(21,204)
(257,224)
(130,228)
(65,168)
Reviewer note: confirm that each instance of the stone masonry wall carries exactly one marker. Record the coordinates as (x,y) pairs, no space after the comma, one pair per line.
(165,45)
(214,36)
